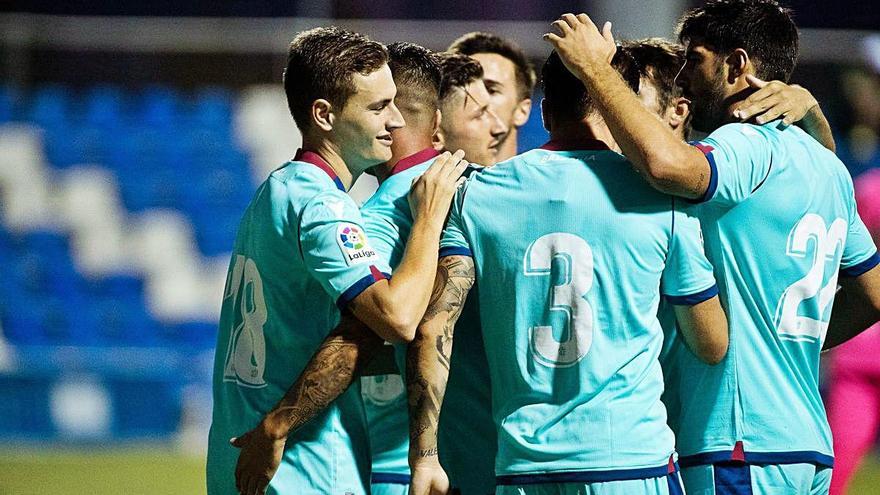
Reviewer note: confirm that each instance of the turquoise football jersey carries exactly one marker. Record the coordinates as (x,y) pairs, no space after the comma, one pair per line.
(300,255)
(388,221)
(467,447)
(572,252)
(780,222)
(669,360)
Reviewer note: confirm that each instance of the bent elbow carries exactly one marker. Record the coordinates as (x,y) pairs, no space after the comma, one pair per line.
(661,175)
(402,329)
(714,353)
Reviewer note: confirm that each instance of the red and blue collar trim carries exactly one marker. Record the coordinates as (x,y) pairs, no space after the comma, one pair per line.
(316,160)
(575,145)
(414,159)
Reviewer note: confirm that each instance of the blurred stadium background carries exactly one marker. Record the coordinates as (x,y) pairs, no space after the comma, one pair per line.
(132,135)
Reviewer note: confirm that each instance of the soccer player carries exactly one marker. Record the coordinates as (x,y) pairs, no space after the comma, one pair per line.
(568,251)
(301,255)
(388,218)
(468,122)
(780,225)
(509,78)
(659,63)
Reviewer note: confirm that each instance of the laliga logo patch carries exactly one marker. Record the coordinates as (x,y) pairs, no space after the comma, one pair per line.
(354,244)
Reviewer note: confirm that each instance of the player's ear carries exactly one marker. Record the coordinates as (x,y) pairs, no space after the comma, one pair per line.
(438,117)
(545,114)
(737,63)
(322,114)
(678,113)
(438,140)
(521,112)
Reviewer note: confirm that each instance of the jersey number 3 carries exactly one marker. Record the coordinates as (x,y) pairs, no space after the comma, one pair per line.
(808,294)
(568,298)
(246,351)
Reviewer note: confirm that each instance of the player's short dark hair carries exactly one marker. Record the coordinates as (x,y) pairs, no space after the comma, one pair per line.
(321,63)
(763,28)
(565,96)
(458,71)
(416,72)
(480,42)
(660,61)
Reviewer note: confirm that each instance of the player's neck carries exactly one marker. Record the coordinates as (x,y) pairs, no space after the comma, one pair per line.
(330,153)
(584,130)
(403,147)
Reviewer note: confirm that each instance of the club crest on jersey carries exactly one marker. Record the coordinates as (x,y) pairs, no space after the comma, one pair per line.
(354,244)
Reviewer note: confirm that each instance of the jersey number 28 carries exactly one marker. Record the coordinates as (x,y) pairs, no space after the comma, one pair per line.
(246,351)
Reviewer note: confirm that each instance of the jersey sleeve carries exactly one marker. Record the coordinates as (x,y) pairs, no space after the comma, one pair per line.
(688,277)
(859,252)
(384,232)
(336,249)
(739,158)
(453,241)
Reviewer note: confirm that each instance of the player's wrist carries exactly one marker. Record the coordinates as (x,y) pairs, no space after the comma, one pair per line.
(430,223)
(275,427)
(423,458)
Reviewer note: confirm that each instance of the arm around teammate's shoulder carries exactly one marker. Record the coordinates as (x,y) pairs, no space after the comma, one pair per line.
(393,308)
(704,328)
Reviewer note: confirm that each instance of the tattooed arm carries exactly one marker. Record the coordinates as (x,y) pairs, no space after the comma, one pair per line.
(427,370)
(342,357)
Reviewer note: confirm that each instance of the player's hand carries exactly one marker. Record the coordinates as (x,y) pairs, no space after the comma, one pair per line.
(579,43)
(431,193)
(258,460)
(429,478)
(774,99)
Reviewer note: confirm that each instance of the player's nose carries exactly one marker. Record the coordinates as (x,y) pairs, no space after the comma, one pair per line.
(681,78)
(396,120)
(497,128)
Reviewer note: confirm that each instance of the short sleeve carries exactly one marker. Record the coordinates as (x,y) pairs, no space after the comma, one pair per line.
(859,252)
(739,158)
(688,277)
(453,241)
(385,233)
(336,249)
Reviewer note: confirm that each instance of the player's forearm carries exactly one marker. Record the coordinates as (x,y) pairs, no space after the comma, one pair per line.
(427,372)
(850,316)
(410,287)
(332,369)
(667,163)
(429,355)
(816,125)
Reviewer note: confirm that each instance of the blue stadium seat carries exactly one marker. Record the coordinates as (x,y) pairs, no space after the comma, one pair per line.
(213,109)
(122,322)
(215,229)
(48,320)
(49,107)
(144,407)
(212,188)
(9,97)
(158,106)
(22,321)
(104,106)
(155,188)
(193,334)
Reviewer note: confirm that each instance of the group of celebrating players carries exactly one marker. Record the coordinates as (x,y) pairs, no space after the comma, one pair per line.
(631,313)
